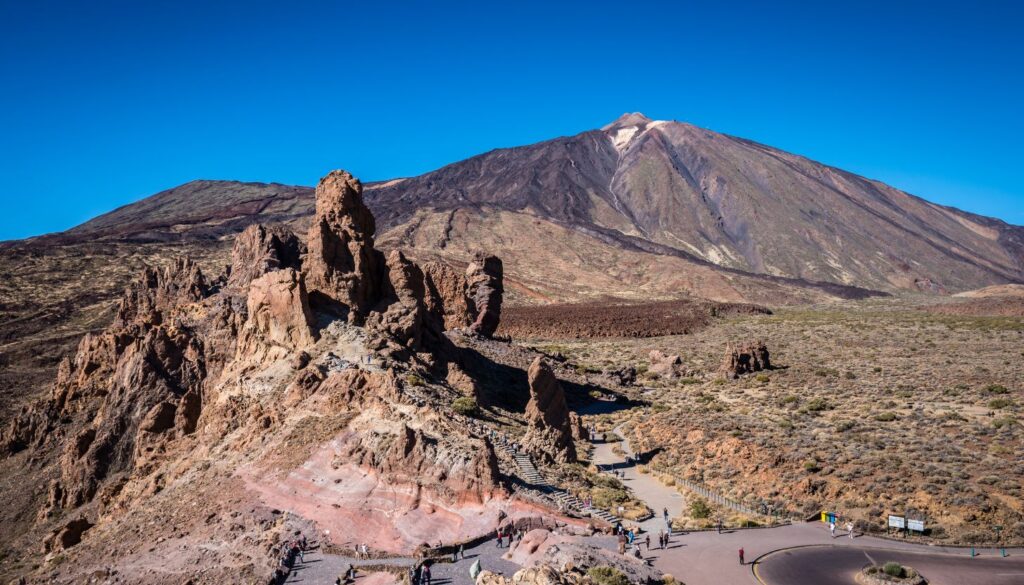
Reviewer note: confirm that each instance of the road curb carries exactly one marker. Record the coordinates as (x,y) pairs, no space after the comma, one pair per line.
(757,561)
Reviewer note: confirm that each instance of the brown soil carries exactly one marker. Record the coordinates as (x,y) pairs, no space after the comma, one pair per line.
(617,319)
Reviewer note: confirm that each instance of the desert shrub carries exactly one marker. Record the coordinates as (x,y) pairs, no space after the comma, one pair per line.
(886,416)
(996,389)
(607,576)
(788,399)
(699,509)
(998,403)
(688,381)
(762,378)
(850,376)
(414,380)
(893,569)
(843,426)
(1005,421)
(464,405)
(609,497)
(817,404)
(812,466)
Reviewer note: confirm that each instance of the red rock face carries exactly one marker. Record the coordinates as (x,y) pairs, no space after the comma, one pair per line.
(342,267)
(549,437)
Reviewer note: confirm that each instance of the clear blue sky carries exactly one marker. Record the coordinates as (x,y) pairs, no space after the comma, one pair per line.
(103,103)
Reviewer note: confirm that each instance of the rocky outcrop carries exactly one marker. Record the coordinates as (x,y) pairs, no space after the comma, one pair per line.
(454,472)
(485,288)
(261,249)
(549,436)
(149,299)
(188,368)
(400,318)
(278,316)
(744,359)
(342,269)
(666,366)
(446,295)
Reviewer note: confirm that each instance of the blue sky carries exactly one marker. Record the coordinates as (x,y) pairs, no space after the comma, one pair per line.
(103,103)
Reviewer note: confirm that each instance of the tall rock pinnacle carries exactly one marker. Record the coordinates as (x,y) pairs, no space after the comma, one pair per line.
(342,269)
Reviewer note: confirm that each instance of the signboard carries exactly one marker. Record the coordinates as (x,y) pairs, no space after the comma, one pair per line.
(917,525)
(897,522)
(827,517)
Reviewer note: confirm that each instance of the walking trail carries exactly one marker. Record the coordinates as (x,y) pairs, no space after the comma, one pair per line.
(695,558)
(710,558)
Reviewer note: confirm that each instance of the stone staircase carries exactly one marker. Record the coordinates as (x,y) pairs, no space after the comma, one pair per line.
(540,486)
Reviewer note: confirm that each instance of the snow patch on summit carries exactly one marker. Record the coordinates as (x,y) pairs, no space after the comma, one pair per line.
(622,136)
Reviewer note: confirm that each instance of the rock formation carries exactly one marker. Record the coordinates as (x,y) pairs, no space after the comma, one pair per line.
(188,373)
(342,267)
(278,315)
(485,286)
(744,359)
(261,249)
(549,435)
(666,366)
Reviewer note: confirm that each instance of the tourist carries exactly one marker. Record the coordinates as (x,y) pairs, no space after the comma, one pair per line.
(351,572)
(665,514)
(719,525)
(648,541)
(832,528)
(413,579)
(462,551)
(498,543)
(426,574)
(741,557)
(849,529)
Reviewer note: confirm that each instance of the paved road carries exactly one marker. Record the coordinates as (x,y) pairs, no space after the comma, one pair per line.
(655,494)
(838,565)
(322,569)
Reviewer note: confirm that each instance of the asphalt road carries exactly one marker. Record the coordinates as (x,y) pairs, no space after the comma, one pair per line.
(816,565)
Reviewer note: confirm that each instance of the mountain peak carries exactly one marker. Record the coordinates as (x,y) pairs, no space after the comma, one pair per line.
(628,119)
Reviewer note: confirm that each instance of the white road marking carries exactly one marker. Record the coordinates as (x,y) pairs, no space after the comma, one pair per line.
(869,557)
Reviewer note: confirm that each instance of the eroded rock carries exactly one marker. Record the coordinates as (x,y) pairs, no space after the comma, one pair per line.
(745,359)
(342,269)
(550,434)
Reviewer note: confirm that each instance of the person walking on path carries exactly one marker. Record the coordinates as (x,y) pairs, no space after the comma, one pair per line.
(741,557)
(849,529)
(497,543)
(462,551)
(426,574)
(719,525)
(832,529)
(648,541)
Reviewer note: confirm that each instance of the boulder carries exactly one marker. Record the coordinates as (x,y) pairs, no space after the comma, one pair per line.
(666,366)
(343,271)
(744,359)
(549,436)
